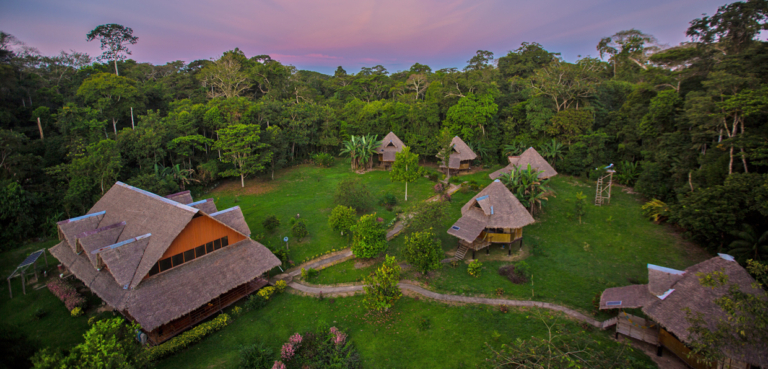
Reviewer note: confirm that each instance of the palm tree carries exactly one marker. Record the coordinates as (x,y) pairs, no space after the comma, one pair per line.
(552,151)
(527,187)
(352,148)
(749,246)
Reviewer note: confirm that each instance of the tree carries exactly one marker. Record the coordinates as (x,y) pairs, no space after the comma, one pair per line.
(469,117)
(631,45)
(744,328)
(567,84)
(342,218)
(735,25)
(111,94)
(239,143)
(569,124)
(482,59)
(750,245)
(426,215)
(405,168)
(361,149)
(423,251)
(552,151)
(527,187)
(381,288)
(580,205)
(225,77)
(353,193)
(114,40)
(369,237)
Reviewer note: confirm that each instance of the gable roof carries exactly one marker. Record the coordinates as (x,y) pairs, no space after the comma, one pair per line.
(208,206)
(234,218)
(122,258)
(93,240)
(529,156)
(70,228)
(184,197)
(684,291)
(494,207)
(390,142)
(462,149)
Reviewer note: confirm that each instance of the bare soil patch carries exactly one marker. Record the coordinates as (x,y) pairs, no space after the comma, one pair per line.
(255,186)
(513,275)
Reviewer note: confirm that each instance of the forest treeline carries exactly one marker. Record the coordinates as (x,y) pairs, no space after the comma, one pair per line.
(685,125)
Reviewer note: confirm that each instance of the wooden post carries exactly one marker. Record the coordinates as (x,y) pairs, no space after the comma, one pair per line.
(132,126)
(9,287)
(488,250)
(40,127)
(23,287)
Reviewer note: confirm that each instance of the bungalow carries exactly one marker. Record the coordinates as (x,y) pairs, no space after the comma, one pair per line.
(460,157)
(493,216)
(166,263)
(665,299)
(390,145)
(529,157)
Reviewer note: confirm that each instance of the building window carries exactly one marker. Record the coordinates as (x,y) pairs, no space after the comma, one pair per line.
(189,255)
(199,251)
(165,264)
(209,247)
(217,244)
(178,259)
(225,241)
(155,269)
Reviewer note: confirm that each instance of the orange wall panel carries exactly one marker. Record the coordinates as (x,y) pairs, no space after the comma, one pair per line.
(200,231)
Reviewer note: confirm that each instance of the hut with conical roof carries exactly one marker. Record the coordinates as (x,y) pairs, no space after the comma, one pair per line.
(493,216)
(460,157)
(390,145)
(529,157)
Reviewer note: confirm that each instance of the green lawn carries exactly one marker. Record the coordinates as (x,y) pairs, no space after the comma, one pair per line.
(308,190)
(455,338)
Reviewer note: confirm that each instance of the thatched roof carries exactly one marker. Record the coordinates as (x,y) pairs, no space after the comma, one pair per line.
(208,206)
(234,218)
(684,291)
(129,229)
(494,207)
(184,197)
(172,294)
(390,145)
(529,157)
(461,152)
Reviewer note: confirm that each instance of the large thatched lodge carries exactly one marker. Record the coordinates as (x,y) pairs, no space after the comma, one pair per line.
(665,300)
(492,216)
(390,146)
(166,263)
(460,158)
(528,157)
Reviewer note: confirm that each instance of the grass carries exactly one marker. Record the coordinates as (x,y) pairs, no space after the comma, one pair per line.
(308,190)
(56,328)
(454,336)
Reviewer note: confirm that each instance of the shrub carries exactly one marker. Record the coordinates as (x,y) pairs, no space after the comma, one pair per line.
(353,193)
(388,201)
(66,293)
(499,292)
(255,302)
(271,223)
(308,274)
(76,312)
(236,311)
(342,218)
(299,229)
(381,289)
(438,187)
(39,314)
(324,160)
(266,292)
(256,356)
(423,251)
(323,348)
(426,215)
(474,268)
(188,338)
(281,254)
(432,174)
(280,286)
(370,237)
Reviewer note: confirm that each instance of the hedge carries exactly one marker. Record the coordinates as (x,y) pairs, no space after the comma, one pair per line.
(188,338)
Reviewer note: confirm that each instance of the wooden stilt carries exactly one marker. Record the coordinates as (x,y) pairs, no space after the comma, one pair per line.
(659,350)
(473,254)
(23,284)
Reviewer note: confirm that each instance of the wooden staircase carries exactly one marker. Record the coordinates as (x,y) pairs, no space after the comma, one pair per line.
(461,252)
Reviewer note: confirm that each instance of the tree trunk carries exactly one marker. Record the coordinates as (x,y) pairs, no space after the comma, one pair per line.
(117,74)
(242,180)
(40,127)
(406,191)
(730,162)
(114,127)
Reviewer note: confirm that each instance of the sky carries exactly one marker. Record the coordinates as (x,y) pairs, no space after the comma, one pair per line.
(321,35)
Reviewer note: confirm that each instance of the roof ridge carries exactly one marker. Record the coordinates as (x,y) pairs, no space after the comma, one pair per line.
(157,197)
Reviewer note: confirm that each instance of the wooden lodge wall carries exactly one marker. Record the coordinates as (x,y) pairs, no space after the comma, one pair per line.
(199,231)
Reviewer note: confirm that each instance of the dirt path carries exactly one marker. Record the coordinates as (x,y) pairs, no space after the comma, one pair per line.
(317,264)
(399,226)
(346,290)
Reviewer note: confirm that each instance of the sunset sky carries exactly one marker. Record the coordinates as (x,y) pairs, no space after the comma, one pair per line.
(320,35)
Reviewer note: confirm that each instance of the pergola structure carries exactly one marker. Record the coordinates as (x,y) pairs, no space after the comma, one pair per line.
(21,270)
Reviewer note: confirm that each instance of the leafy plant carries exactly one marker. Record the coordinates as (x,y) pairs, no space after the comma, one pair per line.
(266,292)
(627,173)
(656,210)
(361,149)
(527,187)
(324,160)
(381,287)
(353,193)
(388,201)
(299,229)
(188,338)
(474,268)
(256,356)
(423,251)
(271,222)
(342,218)
(580,205)
(76,312)
(369,237)
(255,302)
(280,286)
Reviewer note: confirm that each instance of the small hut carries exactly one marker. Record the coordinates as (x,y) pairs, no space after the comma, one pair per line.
(665,299)
(390,145)
(529,157)
(166,263)
(493,216)
(460,158)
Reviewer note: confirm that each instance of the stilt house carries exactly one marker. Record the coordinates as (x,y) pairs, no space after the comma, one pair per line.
(493,216)
(165,263)
(665,299)
(390,145)
(528,157)
(460,158)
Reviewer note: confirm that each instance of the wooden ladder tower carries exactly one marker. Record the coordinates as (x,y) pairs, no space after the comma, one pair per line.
(603,191)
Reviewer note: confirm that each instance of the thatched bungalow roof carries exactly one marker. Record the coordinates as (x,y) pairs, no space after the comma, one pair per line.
(134,229)
(528,157)
(390,145)
(208,206)
(682,290)
(494,207)
(460,152)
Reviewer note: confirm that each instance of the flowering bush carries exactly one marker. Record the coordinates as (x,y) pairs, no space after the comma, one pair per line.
(474,268)
(278,365)
(287,351)
(323,348)
(295,339)
(280,286)
(188,338)
(236,311)
(66,293)
(266,292)
(76,312)
(339,337)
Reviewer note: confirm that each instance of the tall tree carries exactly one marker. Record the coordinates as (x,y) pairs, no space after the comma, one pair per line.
(114,39)
(734,25)
(405,168)
(239,144)
(225,77)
